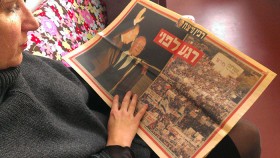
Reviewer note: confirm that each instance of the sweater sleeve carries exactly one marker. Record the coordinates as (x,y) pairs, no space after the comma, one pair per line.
(114,152)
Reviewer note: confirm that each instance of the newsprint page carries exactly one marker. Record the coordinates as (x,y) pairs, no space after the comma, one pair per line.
(197,86)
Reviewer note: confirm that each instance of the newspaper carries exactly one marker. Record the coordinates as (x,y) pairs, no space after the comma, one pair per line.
(197,86)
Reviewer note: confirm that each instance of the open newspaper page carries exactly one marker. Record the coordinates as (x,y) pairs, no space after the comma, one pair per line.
(197,87)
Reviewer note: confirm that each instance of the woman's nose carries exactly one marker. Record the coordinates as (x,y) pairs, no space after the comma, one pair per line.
(29,23)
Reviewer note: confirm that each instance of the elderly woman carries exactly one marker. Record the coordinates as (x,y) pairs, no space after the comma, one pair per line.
(39,118)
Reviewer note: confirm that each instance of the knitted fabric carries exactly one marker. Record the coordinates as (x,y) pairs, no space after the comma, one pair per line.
(45,113)
(7,78)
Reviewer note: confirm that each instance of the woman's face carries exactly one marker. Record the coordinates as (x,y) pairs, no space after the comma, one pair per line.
(15,21)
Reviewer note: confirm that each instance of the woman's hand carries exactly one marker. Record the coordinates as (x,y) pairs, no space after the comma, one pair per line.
(123,124)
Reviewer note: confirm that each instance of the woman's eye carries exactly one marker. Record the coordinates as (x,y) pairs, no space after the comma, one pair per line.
(12,7)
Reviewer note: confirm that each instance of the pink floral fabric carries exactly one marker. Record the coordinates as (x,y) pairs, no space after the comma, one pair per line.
(64,26)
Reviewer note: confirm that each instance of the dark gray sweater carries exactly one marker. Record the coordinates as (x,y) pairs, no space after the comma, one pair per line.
(44,113)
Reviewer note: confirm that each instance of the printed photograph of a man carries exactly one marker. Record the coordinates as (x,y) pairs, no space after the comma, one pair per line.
(127,58)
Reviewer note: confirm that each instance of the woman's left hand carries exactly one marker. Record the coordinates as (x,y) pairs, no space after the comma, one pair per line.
(123,123)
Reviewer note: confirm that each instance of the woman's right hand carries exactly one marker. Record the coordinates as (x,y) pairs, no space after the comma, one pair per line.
(123,123)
